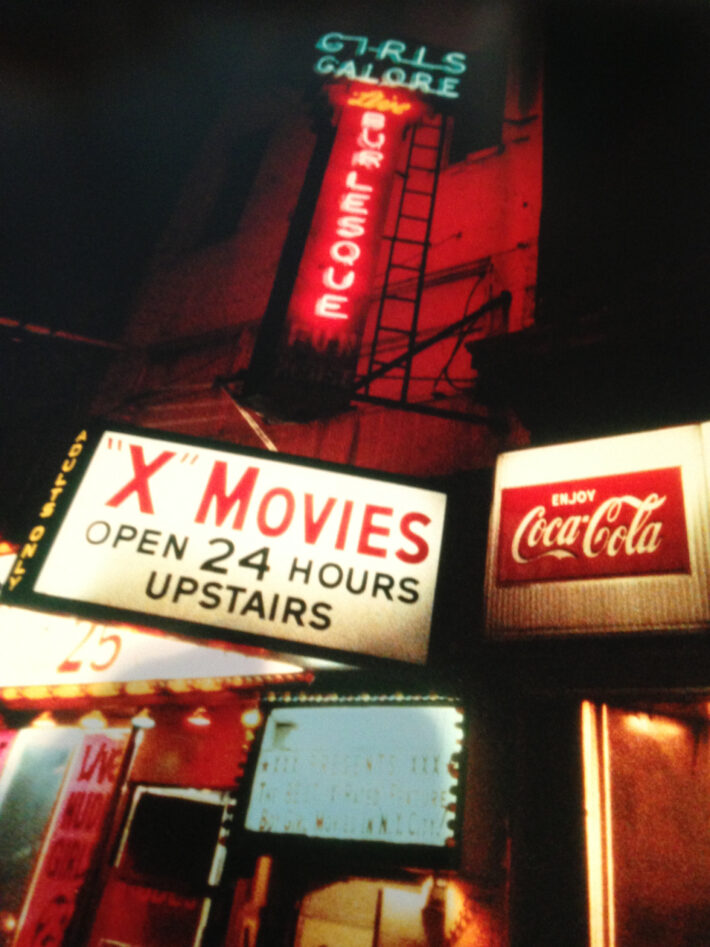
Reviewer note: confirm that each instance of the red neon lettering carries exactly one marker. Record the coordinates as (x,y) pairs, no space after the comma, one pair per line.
(216,490)
(345,251)
(345,283)
(139,484)
(328,306)
(350,227)
(353,202)
(365,142)
(351,182)
(368,158)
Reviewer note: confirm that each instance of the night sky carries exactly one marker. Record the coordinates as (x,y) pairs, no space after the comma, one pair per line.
(104,106)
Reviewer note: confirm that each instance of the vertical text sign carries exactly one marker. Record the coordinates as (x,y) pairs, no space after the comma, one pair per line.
(66,857)
(329,303)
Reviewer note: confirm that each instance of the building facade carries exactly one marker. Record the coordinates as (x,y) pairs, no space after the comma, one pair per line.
(322,656)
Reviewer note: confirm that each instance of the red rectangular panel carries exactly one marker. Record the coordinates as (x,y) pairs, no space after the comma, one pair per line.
(620,525)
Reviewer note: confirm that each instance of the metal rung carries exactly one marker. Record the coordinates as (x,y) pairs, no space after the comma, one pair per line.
(405,266)
(413,217)
(416,144)
(417,190)
(419,167)
(394,329)
(401,299)
(381,361)
(418,243)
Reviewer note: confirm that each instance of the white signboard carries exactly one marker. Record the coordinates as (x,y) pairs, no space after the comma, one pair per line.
(371,774)
(599,536)
(239,542)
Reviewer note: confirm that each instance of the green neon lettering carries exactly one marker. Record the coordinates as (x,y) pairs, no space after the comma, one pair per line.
(325,65)
(391,49)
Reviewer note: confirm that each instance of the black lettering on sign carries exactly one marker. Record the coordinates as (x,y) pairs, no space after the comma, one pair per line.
(210,565)
(148,542)
(237,599)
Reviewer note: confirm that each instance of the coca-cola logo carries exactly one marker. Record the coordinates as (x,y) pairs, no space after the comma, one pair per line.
(619,525)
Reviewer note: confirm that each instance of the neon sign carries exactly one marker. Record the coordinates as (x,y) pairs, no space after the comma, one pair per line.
(375,99)
(345,251)
(389,63)
(328,306)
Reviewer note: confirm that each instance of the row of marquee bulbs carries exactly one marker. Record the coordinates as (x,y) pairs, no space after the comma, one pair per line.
(96,720)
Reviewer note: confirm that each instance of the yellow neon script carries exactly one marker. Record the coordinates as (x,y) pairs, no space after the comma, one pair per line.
(377,100)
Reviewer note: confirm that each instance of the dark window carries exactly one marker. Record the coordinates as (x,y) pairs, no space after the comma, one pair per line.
(478,114)
(240,170)
(172,840)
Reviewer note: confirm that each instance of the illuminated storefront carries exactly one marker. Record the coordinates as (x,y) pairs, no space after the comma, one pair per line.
(219,810)
(197,794)
(77,748)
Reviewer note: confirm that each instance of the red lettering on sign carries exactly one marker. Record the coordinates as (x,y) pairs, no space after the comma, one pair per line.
(281,510)
(314,524)
(139,484)
(66,857)
(100,766)
(217,490)
(289,506)
(369,528)
(420,544)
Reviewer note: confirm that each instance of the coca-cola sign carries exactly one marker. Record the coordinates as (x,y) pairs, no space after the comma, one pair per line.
(625,524)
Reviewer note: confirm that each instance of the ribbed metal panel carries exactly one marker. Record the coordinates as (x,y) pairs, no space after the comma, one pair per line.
(648,603)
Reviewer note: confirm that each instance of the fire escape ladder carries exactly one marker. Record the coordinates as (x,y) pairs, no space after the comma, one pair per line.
(397,315)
